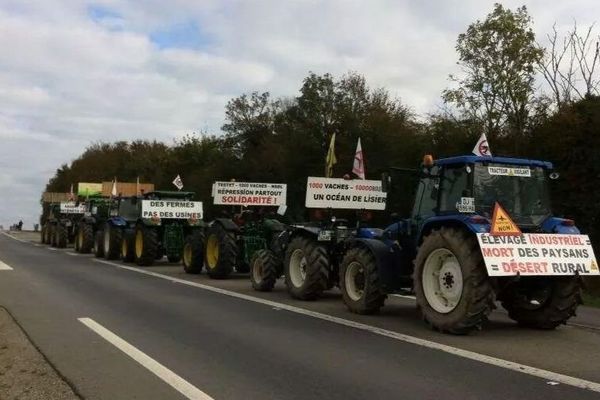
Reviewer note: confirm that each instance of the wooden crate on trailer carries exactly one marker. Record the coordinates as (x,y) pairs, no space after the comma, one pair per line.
(55,197)
(127,188)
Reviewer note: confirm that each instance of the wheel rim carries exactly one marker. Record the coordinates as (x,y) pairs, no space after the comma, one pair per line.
(442,280)
(187,255)
(212,251)
(107,241)
(124,246)
(80,239)
(354,280)
(298,267)
(257,270)
(139,243)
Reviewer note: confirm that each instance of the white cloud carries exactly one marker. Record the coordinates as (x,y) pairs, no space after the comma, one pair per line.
(72,72)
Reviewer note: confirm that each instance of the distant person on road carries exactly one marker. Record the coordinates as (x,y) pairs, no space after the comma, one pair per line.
(20,225)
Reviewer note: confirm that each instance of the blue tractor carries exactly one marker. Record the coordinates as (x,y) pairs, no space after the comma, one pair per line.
(435,252)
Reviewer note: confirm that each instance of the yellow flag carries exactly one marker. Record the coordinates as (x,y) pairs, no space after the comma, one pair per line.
(330,160)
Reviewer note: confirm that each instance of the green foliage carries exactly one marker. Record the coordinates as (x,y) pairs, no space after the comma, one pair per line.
(498,57)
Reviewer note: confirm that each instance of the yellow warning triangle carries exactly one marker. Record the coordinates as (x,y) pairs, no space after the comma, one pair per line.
(502,224)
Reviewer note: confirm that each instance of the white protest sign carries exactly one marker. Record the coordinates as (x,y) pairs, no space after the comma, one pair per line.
(510,171)
(538,254)
(344,194)
(249,193)
(171,209)
(70,207)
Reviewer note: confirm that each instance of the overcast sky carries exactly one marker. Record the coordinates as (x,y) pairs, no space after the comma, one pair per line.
(75,72)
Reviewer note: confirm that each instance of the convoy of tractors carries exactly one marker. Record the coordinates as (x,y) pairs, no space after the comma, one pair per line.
(481,233)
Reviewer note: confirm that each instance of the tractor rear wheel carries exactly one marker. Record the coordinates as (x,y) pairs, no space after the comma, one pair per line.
(43,233)
(62,236)
(99,244)
(86,232)
(128,246)
(307,268)
(266,268)
(112,242)
(193,253)
(146,245)
(359,282)
(543,302)
(220,253)
(52,235)
(453,291)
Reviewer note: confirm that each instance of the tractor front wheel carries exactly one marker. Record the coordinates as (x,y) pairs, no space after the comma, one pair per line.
(99,244)
(128,246)
(43,233)
(266,268)
(112,242)
(453,291)
(543,302)
(220,252)
(307,268)
(62,236)
(193,253)
(146,245)
(86,232)
(359,282)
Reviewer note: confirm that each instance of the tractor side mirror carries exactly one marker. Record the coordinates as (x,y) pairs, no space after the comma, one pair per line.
(386,181)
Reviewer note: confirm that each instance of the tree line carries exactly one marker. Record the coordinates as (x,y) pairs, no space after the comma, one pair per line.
(531,101)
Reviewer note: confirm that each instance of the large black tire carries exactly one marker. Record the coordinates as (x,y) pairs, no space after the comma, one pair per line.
(265,269)
(43,234)
(112,242)
(360,282)
(476,300)
(78,239)
(193,253)
(146,245)
(87,238)
(307,268)
(62,236)
(99,244)
(220,253)
(52,235)
(558,299)
(128,246)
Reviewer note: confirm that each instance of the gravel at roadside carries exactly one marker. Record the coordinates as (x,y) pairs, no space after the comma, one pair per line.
(24,372)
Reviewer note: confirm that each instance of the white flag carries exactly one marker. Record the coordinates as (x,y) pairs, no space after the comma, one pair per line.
(71,194)
(482,148)
(359,162)
(113,192)
(178,182)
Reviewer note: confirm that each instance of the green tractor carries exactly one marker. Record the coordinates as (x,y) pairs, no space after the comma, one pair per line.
(96,214)
(146,228)
(59,223)
(248,239)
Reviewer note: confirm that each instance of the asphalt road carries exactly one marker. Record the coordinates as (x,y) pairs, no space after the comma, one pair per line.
(223,340)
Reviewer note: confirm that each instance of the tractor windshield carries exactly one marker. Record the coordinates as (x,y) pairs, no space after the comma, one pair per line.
(521,190)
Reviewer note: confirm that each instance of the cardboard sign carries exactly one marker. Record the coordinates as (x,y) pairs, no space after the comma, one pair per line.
(249,194)
(70,207)
(502,224)
(172,209)
(344,194)
(510,171)
(538,254)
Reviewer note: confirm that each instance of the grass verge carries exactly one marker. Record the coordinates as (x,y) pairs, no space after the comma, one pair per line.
(591,300)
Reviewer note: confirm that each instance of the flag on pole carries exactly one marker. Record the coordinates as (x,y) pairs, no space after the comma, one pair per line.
(113,192)
(178,182)
(358,168)
(71,194)
(330,160)
(482,148)
(137,186)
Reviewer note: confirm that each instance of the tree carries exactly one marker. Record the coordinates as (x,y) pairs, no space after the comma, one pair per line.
(498,57)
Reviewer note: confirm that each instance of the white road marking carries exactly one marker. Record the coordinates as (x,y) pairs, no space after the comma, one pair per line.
(5,267)
(171,378)
(72,254)
(471,355)
(52,248)
(14,237)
